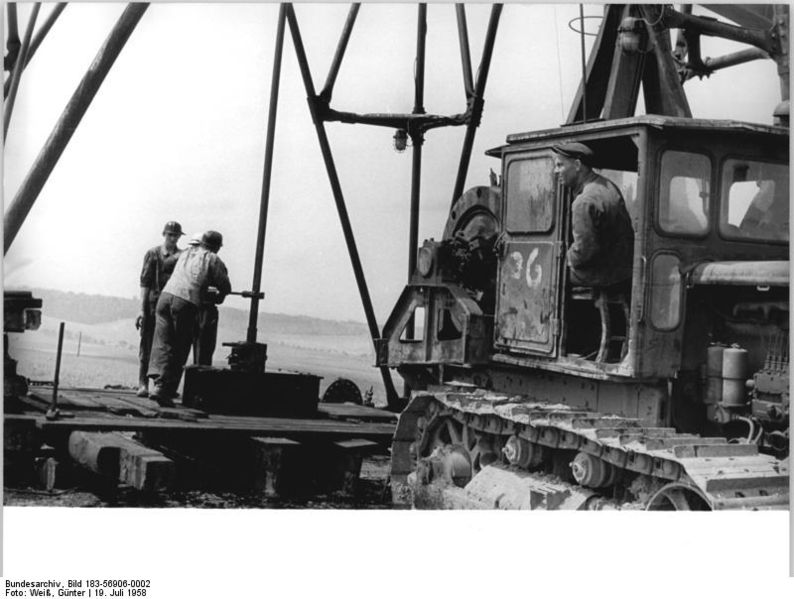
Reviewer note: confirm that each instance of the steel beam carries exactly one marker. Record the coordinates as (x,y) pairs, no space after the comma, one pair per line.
(623,87)
(584,62)
(477,101)
(38,38)
(465,54)
(419,75)
(266,175)
(681,49)
(409,121)
(16,74)
(12,43)
(333,71)
(661,83)
(417,139)
(760,38)
(70,118)
(599,67)
(781,36)
(734,58)
(392,398)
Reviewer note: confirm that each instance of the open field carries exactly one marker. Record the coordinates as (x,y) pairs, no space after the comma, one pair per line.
(109,355)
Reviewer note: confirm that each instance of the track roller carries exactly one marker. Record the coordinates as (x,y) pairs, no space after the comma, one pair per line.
(593,472)
(522,453)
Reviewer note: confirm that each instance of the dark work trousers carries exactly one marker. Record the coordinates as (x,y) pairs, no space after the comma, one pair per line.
(206,334)
(173,334)
(145,349)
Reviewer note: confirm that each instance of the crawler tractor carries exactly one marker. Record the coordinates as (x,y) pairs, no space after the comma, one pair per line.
(670,394)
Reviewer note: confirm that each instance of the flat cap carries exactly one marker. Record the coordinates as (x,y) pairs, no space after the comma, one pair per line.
(212,240)
(575,150)
(172,227)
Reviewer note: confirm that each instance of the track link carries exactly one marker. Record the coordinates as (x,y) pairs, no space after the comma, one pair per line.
(672,466)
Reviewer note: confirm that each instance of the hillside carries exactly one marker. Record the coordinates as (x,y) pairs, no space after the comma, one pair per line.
(99,309)
(101,343)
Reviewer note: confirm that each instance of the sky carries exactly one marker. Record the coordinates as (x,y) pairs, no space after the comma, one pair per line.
(177,132)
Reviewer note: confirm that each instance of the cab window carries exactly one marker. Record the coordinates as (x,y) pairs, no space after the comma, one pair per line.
(626,182)
(530,195)
(755,200)
(684,193)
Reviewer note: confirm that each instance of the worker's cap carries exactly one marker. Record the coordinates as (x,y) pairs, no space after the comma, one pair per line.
(172,227)
(575,150)
(212,239)
(195,239)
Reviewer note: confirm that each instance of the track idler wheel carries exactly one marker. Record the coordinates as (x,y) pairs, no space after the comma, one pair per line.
(677,497)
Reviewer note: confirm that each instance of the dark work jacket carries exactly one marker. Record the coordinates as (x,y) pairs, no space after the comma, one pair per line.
(157,268)
(603,238)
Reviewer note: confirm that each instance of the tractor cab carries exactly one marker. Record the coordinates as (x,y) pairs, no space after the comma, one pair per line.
(539,312)
(698,193)
(708,202)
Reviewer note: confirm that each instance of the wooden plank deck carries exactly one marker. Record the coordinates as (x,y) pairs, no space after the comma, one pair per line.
(105,410)
(352,411)
(257,426)
(123,401)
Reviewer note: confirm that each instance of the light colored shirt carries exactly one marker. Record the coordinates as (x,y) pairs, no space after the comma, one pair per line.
(195,271)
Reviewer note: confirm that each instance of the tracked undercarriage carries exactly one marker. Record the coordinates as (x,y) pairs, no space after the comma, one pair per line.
(478,449)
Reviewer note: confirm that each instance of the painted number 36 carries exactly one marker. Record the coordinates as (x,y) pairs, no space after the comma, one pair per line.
(534,272)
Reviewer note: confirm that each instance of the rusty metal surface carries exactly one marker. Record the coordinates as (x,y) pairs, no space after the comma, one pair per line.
(525,298)
(773,272)
(470,346)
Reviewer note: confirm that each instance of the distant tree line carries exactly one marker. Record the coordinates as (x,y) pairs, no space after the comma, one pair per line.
(86,308)
(98,309)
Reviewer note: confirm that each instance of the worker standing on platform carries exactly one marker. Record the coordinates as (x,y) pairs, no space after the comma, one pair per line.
(198,269)
(206,333)
(158,264)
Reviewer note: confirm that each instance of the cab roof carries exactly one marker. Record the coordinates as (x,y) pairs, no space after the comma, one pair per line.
(650,121)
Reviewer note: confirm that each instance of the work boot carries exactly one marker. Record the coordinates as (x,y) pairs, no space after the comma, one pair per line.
(162,396)
(163,402)
(143,390)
